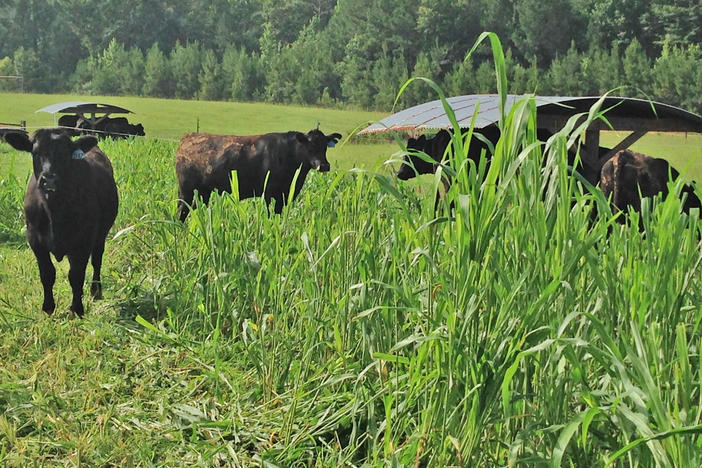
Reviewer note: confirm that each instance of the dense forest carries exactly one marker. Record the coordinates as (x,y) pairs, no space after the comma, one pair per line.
(350,52)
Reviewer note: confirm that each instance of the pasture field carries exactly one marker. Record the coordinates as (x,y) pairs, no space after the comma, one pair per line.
(170,119)
(361,328)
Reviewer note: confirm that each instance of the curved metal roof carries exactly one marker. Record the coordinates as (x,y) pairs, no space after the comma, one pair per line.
(625,113)
(82,107)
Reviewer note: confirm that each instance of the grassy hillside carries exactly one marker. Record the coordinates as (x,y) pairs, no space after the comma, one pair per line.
(170,119)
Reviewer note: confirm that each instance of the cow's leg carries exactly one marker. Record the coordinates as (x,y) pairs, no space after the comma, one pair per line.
(47,273)
(76,277)
(438,196)
(96,261)
(185,200)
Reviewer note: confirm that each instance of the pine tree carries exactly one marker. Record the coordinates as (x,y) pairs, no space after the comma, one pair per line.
(157,74)
(185,64)
(210,78)
(637,70)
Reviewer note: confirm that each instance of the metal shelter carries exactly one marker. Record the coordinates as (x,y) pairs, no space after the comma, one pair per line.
(637,116)
(82,109)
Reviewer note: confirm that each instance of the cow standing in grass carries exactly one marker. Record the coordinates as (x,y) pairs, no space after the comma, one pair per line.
(435,148)
(70,205)
(119,127)
(265,164)
(628,176)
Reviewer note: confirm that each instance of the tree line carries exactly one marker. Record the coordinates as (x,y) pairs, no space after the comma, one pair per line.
(350,52)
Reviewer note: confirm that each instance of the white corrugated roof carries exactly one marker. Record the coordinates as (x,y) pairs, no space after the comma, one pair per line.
(431,115)
(82,107)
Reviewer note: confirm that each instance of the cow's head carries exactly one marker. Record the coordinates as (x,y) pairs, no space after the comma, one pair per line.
(412,164)
(52,154)
(311,148)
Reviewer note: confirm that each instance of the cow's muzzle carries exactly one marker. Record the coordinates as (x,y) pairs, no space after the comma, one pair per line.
(322,166)
(47,182)
(405,172)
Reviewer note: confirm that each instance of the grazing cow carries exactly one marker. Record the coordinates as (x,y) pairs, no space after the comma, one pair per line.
(68,123)
(435,147)
(627,176)
(119,127)
(70,205)
(204,163)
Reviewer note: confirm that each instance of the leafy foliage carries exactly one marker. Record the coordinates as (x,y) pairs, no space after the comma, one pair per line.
(328,51)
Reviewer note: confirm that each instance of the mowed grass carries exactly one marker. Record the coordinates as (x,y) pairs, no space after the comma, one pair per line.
(361,328)
(170,119)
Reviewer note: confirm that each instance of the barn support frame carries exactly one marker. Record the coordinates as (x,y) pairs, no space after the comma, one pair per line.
(638,127)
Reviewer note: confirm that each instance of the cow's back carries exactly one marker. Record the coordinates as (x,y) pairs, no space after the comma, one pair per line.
(204,156)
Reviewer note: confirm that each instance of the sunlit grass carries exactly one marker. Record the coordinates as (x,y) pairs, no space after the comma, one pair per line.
(517,326)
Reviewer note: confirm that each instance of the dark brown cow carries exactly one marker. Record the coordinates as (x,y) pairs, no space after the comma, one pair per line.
(70,205)
(627,176)
(204,162)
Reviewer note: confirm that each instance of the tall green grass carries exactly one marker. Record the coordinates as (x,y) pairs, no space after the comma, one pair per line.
(520,325)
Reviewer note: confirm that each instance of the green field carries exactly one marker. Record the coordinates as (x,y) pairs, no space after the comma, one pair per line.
(358,328)
(170,119)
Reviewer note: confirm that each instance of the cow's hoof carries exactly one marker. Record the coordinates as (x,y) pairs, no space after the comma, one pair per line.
(48,308)
(79,311)
(96,291)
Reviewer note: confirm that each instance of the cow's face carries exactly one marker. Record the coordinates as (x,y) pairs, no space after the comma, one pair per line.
(312,149)
(52,154)
(413,164)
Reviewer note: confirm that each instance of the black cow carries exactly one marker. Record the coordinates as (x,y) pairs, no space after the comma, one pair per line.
(204,163)
(627,176)
(69,122)
(70,205)
(435,147)
(119,127)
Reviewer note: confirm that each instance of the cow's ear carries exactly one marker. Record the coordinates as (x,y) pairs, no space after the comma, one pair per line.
(19,141)
(86,143)
(662,168)
(333,139)
(302,138)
